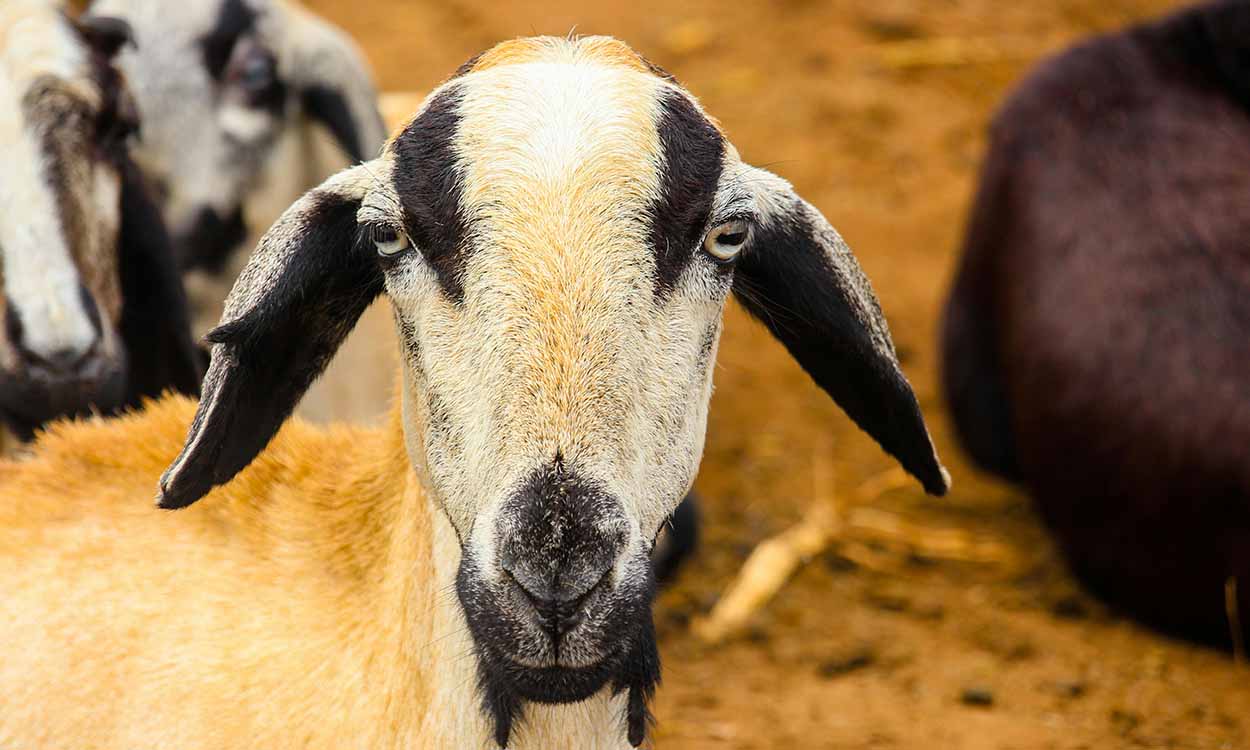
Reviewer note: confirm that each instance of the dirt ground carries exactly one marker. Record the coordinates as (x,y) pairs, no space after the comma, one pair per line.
(876,111)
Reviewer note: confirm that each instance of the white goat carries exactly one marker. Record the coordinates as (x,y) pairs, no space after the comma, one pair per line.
(92,311)
(232,93)
(557,229)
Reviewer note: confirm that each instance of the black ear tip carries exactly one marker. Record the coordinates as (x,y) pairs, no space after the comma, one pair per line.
(174,495)
(940,484)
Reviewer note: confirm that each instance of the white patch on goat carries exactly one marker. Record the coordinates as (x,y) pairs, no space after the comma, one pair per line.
(41,281)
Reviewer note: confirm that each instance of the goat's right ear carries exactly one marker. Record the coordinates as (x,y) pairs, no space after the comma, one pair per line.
(334,84)
(301,293)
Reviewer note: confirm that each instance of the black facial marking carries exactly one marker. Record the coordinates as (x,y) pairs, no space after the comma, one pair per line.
(252,75)
(428,184)
(568,599)
(693,158)
(468,66)
(104,34)
(658,71)
(234,19)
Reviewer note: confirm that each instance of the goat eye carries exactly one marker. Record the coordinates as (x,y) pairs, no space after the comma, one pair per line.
(389,242)
(726,241)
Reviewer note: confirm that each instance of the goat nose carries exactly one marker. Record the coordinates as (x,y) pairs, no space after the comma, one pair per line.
(50,361)
(559,601)
(62,364)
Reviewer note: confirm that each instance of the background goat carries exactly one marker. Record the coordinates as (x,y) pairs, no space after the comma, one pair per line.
(93,312)
(558,229)
(230,91)
(1098,335)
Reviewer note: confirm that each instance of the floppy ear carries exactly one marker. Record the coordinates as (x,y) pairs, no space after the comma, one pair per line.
(156,324)
(799,278)
(298,297)
(334,84)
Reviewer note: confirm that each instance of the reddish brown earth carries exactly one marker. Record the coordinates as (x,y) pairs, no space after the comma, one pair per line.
(876,110)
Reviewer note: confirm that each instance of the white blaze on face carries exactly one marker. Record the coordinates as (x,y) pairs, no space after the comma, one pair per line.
(41,281)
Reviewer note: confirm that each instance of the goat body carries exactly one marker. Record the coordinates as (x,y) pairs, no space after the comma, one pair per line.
(1097,338)
(557,231)
(310,601)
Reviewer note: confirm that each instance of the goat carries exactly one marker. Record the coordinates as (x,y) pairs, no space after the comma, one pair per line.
(227,89)
(557,229)
(92,311)
(1098,332)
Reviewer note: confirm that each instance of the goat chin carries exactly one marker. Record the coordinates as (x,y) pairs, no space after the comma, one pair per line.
(305,604)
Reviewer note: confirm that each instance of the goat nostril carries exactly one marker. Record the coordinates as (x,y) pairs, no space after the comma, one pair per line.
(65,363)
(556,610)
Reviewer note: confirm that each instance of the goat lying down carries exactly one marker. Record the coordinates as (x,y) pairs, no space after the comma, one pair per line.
(557,230)
(1098,335)
(92,311)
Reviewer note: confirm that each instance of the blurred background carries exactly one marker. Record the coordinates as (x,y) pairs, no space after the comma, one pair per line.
(934,623)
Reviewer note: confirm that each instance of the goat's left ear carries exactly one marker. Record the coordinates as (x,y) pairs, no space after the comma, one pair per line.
(800,280)
(300,294)
(334,84)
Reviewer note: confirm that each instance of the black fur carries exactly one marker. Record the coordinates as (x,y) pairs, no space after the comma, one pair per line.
(267,358)
(234,19)
(211,239)
(155,323)
(1097,336)
(693,158)
(329,107)
(428,182)
(787,279)
(557,601)
(677,541)
(104,34)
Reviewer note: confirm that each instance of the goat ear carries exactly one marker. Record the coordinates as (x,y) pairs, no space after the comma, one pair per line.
(105,34)
(800,280)
(156,324)
(298,297)
(334,84)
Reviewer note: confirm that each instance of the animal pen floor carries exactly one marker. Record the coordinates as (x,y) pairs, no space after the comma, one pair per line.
(876,110)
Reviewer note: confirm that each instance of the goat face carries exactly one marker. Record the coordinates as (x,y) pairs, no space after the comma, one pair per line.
(218,83)
(558,230)
(64,118)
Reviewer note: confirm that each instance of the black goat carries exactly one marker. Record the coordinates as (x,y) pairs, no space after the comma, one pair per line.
(1097,341)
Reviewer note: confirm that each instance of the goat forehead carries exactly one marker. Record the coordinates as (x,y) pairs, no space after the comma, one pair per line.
(559,158)
(601,50)
(558,162)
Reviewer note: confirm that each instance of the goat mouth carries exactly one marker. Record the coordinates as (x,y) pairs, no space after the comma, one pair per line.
(28,404)
(623,644)
(634,669)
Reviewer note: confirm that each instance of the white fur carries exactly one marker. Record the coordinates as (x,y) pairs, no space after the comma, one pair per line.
(41,281)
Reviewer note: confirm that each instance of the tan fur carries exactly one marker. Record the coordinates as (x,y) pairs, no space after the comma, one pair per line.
(309,602)
(600,49)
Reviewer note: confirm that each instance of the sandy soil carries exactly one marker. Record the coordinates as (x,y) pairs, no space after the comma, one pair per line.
(881,127)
